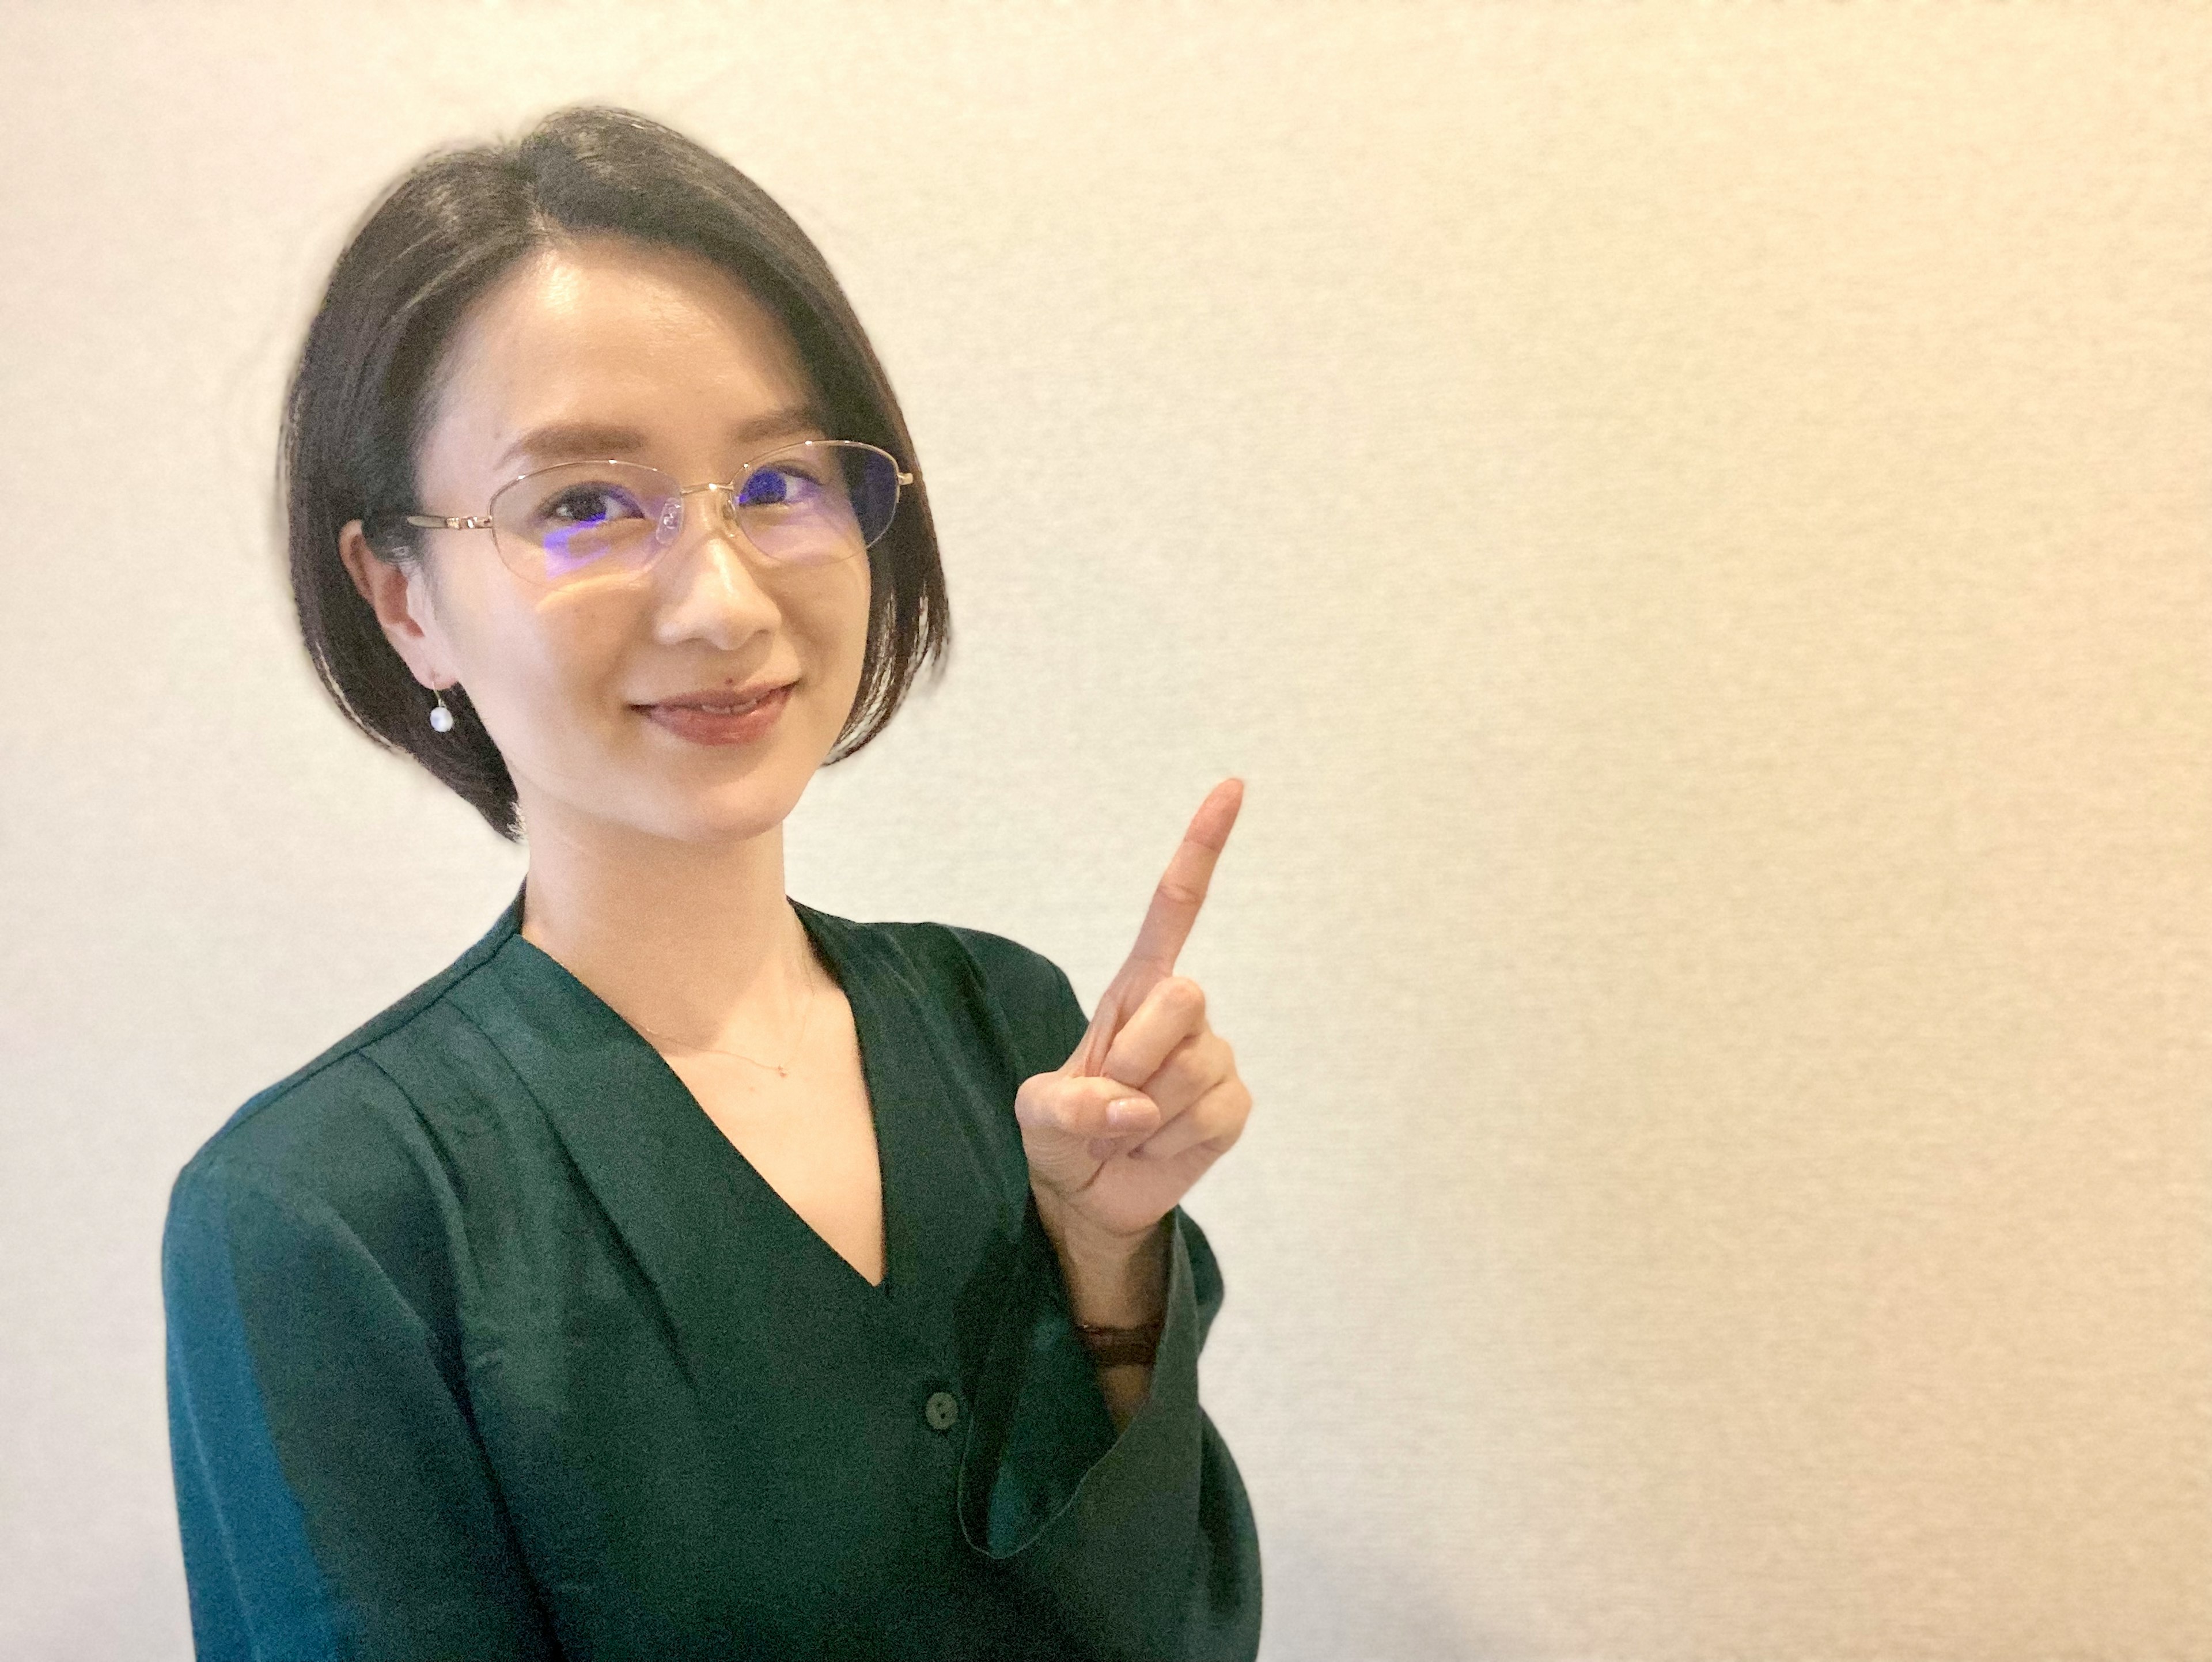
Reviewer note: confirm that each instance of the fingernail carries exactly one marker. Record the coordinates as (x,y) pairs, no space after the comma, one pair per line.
(1123,1112)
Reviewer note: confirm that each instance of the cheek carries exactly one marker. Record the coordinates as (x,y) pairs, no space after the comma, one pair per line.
(543,670)
(844,622)
(840,629)
(852,636)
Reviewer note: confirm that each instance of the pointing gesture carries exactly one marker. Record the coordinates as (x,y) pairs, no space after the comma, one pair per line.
(1167,923)
(1150,1099)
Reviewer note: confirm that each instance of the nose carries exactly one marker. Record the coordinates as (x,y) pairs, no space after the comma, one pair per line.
(708,587)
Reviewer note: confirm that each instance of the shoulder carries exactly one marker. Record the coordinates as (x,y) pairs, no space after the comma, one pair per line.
(952,962)
(318,1187)
(1011,970)
(338,1137)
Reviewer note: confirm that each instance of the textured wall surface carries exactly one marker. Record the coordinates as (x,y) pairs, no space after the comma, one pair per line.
(1694,524)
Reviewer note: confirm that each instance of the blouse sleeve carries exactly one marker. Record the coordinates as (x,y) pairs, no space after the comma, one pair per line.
(332,1497)
(1143,1546)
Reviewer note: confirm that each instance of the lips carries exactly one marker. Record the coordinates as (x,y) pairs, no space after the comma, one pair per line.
(721,715)
(722,701)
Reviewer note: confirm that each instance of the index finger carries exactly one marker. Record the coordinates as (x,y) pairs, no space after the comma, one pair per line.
(1182,889)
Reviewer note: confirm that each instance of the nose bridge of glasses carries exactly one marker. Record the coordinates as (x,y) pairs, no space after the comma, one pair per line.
(723,528)
(674,509)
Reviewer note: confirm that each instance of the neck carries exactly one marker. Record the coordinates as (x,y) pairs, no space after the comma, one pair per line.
(682,938)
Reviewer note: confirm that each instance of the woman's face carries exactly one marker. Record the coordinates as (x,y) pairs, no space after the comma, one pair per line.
(609,698)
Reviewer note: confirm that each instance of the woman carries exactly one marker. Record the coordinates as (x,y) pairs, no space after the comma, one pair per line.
(684,1271)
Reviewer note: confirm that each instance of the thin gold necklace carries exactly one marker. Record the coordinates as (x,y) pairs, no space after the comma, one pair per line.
(782,1069)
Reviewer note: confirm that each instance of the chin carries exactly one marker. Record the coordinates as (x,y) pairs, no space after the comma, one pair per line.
(734,811)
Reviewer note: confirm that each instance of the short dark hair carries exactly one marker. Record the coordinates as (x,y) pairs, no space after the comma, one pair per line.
(437,240)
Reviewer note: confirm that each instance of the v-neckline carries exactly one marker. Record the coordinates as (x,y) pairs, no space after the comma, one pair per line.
(725,1252)
(872,1088)
(867,1029)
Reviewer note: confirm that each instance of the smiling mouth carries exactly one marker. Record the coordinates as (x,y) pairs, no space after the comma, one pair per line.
(711,704)
(737,708)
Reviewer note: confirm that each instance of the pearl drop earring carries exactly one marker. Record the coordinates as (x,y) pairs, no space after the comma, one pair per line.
(441,719)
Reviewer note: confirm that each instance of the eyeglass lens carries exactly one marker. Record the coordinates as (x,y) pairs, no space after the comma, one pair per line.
(813,503)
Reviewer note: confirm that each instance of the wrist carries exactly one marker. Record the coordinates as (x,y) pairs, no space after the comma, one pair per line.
(1122,1346)
(1113,1281)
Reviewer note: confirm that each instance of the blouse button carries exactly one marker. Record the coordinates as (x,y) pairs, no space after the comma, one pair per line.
(942,1410)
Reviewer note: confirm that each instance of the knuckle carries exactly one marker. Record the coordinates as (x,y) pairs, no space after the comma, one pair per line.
(1186,995)
(1228,1105)
(1181,891)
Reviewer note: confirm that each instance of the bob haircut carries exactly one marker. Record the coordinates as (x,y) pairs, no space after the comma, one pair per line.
(359,399)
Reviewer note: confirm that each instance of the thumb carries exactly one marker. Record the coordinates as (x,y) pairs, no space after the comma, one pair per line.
(1083,1107)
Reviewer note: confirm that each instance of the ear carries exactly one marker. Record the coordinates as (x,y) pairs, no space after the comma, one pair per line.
(400,597)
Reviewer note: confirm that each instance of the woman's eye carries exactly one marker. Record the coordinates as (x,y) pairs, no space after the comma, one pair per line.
(780,486)
(591,504)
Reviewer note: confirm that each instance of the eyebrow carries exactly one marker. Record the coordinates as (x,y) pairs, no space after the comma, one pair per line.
(591,440)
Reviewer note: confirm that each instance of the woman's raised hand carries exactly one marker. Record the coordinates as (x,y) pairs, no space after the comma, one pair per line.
(1118,1132)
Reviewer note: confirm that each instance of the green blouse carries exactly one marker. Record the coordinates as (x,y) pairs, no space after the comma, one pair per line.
(484,1342)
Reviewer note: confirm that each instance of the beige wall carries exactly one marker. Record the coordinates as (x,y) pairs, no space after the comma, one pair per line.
(1694,524)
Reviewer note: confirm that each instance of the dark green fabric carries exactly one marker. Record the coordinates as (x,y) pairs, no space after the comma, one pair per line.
(484,1342)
